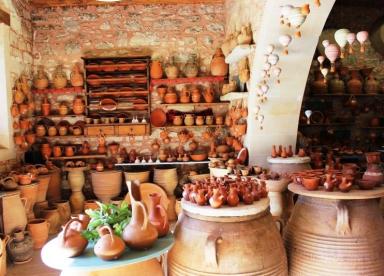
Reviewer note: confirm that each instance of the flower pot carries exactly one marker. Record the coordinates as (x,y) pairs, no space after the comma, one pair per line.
(38,228)
(106,184)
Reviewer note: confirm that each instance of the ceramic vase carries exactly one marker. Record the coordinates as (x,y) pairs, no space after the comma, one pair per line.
(29,192)
(106,184)
(158,215)
(64,210)
(76,181)
(12,212)
(38,228)
(52,216)
(20,247)
(42,187)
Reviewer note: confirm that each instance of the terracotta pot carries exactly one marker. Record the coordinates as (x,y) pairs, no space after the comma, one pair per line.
(355,85)
(156,71)
(219,120)
(63,108)
(30,138)
(20,247)
(23,109)
(41,130)
(139,233)
(39,207)
(57,151)
(54,187)
(8,183)
(59,78)
(78,105)
(161,90)
(109,246)
(71,242)
(46,150)
(319,86)
(25,123)
(76,78)
(85,148)
(157,215)
(218,65)
(52,131)
(106,185)
(70,151)
(185,95)
(209,120)
(336,85)
(142,177)
(76,180)
(171,71)
(64,210)
(29,192)
(170,97)
(12,212)
(196,95)
(189,120)
(25,179)
(53,218)
(199,121)
(19,139)
(45,107)
(40,81)
(42,187)
(90,204)
(371,85)
(15,110)
(191,68)
(38,228)
(177,120)
(209,95)
(113,148)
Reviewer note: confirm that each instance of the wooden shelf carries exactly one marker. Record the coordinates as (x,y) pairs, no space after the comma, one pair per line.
(239,52)
(115,124)
(193,104)
(118,93)
(326,125)
(119,67)
(66,90)
(60,116)
(115,81)
(343,95)
(186,80)
(233,96)
(194,126)
(61,137)
(91,156)
(161,163)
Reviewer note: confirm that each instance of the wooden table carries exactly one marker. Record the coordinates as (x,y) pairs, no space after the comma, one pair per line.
(335,233)
(131,263)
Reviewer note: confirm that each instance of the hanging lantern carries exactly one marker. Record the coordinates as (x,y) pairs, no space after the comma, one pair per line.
(284,12)
(285,40)
(332,52)
(341,39)
(273,59)
(317,3)
(276,72)
(325,43)
(321,59)
(324,72)
(270,48)
(296,18)
(305,9)
(362,38)
(351,37)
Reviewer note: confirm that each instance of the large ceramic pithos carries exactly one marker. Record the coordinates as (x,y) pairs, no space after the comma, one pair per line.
(106,184)
(227,241)
(12,212)
(42,187)
(76,180)
(3,254)
(29,192)
(335,237)
(20,247)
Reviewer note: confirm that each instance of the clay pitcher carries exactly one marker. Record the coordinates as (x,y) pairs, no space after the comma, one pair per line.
(76,77)
(218,65)
(39,232)
(64,210)
(45,107)
(78,106)
(158,215)
(12,212)
(29,192)
(196,95)
(185,95)
(156,71)
(109,246)
(71,242)
(20,247)
(139,233)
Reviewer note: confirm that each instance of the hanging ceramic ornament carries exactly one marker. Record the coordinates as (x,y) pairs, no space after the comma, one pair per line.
(260,119)
(324,72)
(317,3)
(267,67)
(351,37)
(341,39)
(276,72)
(321,59)
(284,12)
(285,40)
(362,38)
(270,48)
(257,109)
(325,43)
(332,52)
(305,9)
(296,18)
(273,59)
(264,88)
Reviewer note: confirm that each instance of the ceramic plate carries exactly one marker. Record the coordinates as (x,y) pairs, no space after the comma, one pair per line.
(158,117)
(148,188)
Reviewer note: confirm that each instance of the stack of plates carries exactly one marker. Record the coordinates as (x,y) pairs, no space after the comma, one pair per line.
(167,179)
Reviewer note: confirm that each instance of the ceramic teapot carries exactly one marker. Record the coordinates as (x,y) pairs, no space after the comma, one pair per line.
(70,241)
(109,246)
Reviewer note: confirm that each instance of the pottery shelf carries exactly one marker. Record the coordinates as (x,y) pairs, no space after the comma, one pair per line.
(90,156)
(111,81)
(118,93)
(186,80)
(61,137)
(161,163)
(194,104)
(121,67)
(234,96)
(239,52)
(194,126)
(123,106)
(116,129)
(61,116)
(66,90)
(326,125)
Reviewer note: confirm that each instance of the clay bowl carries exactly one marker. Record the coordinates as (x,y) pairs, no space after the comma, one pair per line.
(199,156)
(311,183)
(365,184)
(158,117)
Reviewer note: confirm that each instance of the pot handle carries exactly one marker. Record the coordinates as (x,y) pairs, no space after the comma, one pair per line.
(163,213)
(280,225)
(66,227)
(210,249)
(101,232)
(145,219)
(342,225)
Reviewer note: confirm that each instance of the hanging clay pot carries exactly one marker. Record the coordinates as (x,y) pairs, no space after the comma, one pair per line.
(218,65)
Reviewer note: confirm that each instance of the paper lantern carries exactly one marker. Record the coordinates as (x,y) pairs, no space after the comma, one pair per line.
(321,59)
(362,38)
(273,59)
(324,72)
(276,71)
(341,39)
(332,52)
(284,12)
(351,37)
(296,18)
(325,43)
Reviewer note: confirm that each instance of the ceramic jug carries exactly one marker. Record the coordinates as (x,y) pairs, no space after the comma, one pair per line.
(78,105)
(76,78)
(218,65)
(12,212)
(158,215)
(41,81)
(71,242)
(109,246)
(156,71)
(20,247)
(209,95)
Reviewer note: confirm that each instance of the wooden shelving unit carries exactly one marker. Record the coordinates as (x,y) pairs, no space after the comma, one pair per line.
(194,104)
(161,163)
(91,156)
(186,80)
(194,127)
(66,90)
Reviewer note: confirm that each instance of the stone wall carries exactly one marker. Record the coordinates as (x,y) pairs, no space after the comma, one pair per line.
(64,34)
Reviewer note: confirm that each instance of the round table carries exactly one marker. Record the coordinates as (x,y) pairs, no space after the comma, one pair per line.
(335,233)
(289,164)
(131,263)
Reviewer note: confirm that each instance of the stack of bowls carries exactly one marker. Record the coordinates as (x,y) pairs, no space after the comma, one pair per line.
(166,178)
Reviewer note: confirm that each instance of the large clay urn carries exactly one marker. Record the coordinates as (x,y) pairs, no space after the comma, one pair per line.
(52,216)
(20,247)
(158,215)
(106,184)
(42,187)
(156,71)
(218,65)
(109,246)
(29,192)
(38,228)
(12,212)
(77,78)
(64,210)
(41,81)
(139,233)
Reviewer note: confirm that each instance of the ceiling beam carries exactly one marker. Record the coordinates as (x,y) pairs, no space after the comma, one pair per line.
(60,3)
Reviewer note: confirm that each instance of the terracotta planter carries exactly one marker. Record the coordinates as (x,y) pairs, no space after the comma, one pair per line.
(38,228)
(54,186)
(53,218)
(64,210)
(12,212)
(106,184)
(30,138)
(43,182)
(20,247)
(29,192)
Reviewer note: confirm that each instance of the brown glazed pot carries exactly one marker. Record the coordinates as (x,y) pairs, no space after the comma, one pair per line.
(20,247)
(52,216)
(38,228)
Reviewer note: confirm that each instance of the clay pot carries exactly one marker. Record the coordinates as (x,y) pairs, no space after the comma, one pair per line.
(38,228)
(113,148)
(52,131)
(24,123)
(71,242)
(371,85)
(40,130)
(199,121)
(189,120)
(70,151)
(41,81)
(177,120)
(42,187)
(161,90)
(29,192)
(209,95)
(20,247)
(8,183)
(185,95)
(139,233)
(106,185)
(91,204)
(171,71)
(30,138)
(157,215)
(196,95)
(109,246)
(336,85)
(76,78)
(85,148)
(45,107)
(52,216)
(39,207)
(54,186)
(170,97)
(216,199)
(319,86)
(355,85)
(311,183)
(12,212)
(156,71)
(23,109)
(209,120)
(19,139)
(191,68)
(59,78)
(18,96)
(15,110)
(219,120)
(63,108)
(64,210)
(78,105)
(218,65)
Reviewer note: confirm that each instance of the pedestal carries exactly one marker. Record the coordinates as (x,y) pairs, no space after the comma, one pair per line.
(335,233)
(76,181)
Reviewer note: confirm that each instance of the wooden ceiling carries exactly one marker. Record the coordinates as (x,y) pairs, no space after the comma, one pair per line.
(58,3)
